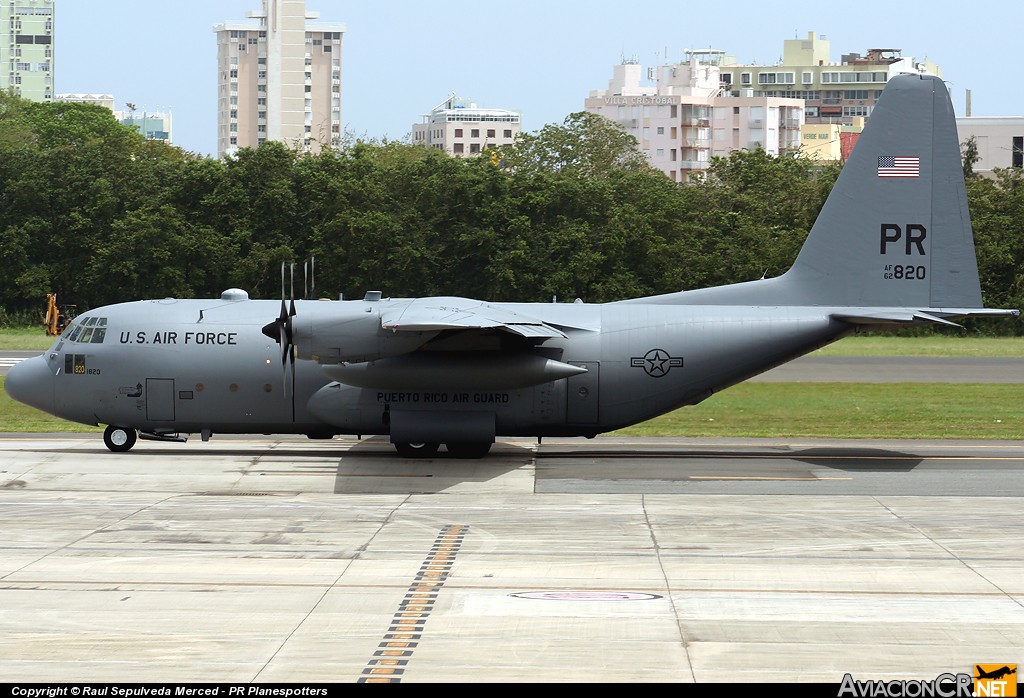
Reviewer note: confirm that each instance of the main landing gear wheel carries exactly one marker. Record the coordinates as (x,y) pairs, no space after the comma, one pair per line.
(416,450)
(119,439)
(471,449)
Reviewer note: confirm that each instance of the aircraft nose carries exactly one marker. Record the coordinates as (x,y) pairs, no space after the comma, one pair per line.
(31,382)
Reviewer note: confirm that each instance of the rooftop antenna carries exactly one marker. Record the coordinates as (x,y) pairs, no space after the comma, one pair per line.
(447,101)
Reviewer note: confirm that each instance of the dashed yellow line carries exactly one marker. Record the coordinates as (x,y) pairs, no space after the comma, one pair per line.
(406,629)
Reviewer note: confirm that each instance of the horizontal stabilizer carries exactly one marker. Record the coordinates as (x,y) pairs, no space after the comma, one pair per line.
(901,316)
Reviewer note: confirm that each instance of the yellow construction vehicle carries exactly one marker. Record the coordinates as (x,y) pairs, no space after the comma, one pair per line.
(57,317)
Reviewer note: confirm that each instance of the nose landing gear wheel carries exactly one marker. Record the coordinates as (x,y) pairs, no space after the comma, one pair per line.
(119,439)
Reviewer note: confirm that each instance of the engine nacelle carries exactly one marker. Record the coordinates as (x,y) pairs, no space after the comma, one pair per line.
(434,370)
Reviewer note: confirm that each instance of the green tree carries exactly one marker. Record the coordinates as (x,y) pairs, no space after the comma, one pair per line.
(970,156)
(997,216)
(586,144)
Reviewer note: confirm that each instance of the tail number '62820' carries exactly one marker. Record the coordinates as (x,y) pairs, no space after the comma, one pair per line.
(904,272)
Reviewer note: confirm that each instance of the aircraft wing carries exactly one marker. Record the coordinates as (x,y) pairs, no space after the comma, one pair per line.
(444,313)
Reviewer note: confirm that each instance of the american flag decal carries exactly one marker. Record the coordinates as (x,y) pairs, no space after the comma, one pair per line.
(899,166)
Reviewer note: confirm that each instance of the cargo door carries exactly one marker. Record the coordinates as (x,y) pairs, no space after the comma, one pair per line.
(160,399)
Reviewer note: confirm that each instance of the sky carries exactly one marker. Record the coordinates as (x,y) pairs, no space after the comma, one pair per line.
(541,58)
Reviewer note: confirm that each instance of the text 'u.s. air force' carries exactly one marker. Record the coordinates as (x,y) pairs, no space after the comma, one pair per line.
(170,337)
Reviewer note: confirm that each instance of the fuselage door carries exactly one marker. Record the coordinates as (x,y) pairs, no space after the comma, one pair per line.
(581,394)
(160,399)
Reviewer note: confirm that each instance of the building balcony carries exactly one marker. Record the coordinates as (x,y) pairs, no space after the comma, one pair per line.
(689,121)
(693,164)
(697,143)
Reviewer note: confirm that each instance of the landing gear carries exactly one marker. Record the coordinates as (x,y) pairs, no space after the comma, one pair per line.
(470,449)
(119,439)
(416,450)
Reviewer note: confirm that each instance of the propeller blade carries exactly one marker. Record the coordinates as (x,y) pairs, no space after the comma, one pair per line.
(291,360)
(284,308)
(291,311)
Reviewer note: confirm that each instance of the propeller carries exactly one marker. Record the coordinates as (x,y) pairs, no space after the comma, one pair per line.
(280,329)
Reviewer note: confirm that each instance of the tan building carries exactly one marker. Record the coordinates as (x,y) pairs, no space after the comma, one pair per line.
(684,118)
(832,141)
(279,78)
(833,92)
(463,129)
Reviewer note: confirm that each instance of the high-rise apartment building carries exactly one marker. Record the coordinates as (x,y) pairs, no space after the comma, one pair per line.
(463,129)
(684,119)
(26,48)
(279,78)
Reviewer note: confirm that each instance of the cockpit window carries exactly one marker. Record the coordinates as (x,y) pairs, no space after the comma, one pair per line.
(88,330)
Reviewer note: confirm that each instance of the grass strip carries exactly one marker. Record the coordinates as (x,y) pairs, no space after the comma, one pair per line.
(850,411)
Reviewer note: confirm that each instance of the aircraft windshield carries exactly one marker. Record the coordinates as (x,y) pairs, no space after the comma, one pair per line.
(88,330)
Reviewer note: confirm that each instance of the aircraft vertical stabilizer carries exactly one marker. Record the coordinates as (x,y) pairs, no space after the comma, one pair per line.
(896,232)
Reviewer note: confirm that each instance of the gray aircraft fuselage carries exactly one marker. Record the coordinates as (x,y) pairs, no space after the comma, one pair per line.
(162,369)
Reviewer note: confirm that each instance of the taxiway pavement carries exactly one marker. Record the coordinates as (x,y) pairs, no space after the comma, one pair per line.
(612,560)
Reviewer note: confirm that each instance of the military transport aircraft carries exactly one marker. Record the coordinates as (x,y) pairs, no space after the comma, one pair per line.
(892,247)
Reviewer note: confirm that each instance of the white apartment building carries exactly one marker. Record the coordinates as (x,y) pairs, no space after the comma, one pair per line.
(154,125)
(463,129)
(1000,140)
(102,100)
(26,48)
(685,118)
(279,78)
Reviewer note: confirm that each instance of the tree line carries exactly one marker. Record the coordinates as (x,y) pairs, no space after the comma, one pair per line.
(93,211)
